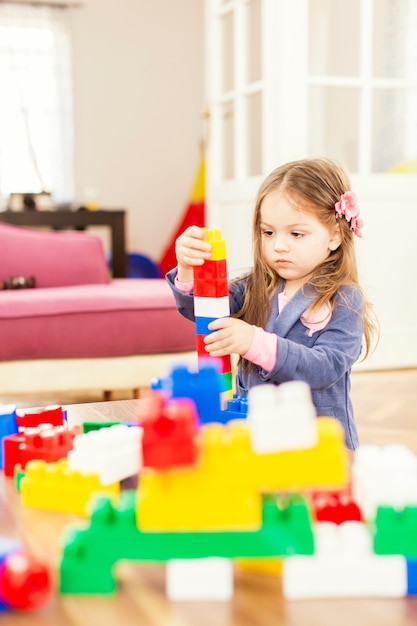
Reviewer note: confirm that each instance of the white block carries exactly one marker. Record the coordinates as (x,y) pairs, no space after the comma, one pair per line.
(281,417)
(114,453)
(199,579)
(212,307)
(344,565)
(384,476)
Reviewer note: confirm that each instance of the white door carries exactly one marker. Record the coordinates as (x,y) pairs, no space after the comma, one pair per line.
(287,79)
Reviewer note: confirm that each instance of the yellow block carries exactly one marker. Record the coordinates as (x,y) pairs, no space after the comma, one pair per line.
(325,466)
(218,245)
(269,566)
(53,486)
(223,490)
(218,493)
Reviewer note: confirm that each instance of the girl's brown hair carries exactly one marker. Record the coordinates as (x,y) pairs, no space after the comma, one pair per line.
(312,186)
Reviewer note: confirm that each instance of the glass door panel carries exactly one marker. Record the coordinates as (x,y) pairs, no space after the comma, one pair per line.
(254,133)
(228,141)
(394,47)
(333,29)
(394,128)
(333,123)
(362,77)
(253,48)
(227,48)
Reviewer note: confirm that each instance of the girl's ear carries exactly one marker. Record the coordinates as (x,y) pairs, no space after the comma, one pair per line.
(336,239)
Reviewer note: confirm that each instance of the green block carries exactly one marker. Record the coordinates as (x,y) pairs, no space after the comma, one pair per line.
(226,382)
(18,475)
(87,426)
(90,554)
(395,531)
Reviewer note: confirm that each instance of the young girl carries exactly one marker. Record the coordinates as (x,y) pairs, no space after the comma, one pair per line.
(300,313)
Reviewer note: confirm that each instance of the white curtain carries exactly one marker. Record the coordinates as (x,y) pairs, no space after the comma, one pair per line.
(36,109)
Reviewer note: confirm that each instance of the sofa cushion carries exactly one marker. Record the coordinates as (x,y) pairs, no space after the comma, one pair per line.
(125,317)
(54,258)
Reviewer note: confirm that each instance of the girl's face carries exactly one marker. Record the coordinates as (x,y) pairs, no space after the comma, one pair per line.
(294,242)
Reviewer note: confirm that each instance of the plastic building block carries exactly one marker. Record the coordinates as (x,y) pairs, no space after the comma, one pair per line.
(169,433)
(88,426)
(217,493)
(201,328)
(28,418)
(112,453)
(344,566)
(237,406)
(218,245)
(46,442)
(211,301)
(268,566)
(384,476)
(394,531)
(212,307)
(7,547)
(222,489)
(199,579)
(25,582)
(18,475)
(326,466)
(54,487)
(335,506)
(204,387)
(225,396)
(411,577)
(210,279)
(8,425)
(90,553)
(282,417)
(222,364)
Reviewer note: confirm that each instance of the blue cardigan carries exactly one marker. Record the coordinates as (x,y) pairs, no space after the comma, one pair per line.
(323,360)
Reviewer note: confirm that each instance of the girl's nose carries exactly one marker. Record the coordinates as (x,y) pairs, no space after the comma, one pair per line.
(281,243)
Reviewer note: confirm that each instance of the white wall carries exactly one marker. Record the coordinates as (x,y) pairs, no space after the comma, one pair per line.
(138,82)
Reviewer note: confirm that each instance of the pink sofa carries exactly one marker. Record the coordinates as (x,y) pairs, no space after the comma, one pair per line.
(78,329)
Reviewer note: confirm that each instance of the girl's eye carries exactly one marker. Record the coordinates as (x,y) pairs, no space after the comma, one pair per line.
(297,235)
(267,233)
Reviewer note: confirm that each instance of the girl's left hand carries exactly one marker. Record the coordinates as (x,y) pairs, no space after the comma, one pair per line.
(231,336)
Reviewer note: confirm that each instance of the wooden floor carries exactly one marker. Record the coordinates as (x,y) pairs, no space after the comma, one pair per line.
(385,404)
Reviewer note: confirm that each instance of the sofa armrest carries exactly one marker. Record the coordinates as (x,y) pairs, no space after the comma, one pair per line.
(53,258)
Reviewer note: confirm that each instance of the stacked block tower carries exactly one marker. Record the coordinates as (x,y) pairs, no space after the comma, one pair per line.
(211,301)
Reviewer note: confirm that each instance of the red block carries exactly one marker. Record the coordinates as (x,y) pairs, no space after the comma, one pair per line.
(335,506)
(45,442)
(25,582)
(169,435)
(52,414)
(224,363)
(210,279)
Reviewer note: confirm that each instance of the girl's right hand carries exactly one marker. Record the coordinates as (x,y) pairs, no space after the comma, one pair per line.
(191,249)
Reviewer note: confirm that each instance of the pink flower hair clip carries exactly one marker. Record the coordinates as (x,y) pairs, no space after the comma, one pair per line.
(348,208)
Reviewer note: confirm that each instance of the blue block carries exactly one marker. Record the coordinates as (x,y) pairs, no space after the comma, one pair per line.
(204,387)
(237,409)
(411,576)
(8,425)
(201,325)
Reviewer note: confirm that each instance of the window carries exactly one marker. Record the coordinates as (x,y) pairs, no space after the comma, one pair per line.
(363,96)
(36,112)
